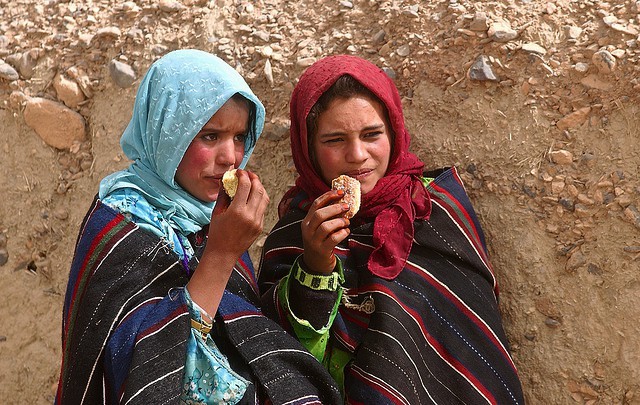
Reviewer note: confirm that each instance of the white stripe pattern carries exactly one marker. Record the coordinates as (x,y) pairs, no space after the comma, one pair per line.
(111,328)
(154,382)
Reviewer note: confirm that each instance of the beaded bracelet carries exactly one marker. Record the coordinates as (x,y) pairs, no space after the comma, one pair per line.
(330,282)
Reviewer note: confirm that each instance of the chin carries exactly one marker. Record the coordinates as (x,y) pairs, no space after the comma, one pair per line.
(212,195)
(365,188)
(208,198)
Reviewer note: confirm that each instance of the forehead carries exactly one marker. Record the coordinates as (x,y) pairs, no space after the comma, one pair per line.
(352,112)
(236,104)
(233,112)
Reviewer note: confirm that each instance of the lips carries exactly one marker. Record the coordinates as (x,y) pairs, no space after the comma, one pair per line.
(213,182)
(359,174)
(216,177)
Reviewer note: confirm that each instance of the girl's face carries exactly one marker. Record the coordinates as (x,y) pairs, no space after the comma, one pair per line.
(218,147)
(353,138)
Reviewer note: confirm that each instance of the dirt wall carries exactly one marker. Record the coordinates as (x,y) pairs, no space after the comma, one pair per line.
(544,130)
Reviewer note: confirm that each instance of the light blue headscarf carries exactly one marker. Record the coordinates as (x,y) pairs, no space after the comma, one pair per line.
(179,94)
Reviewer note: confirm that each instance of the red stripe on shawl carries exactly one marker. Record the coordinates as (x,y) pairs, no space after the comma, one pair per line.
(346,339)
(350,315)
(243,269)
(88,256)
(382,387)
(464,310)
(444,353)
(160,324)
(343,335)
(475,235)
(81,272)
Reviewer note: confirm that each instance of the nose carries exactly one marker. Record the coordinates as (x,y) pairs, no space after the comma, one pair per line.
(225,155)
(356,151)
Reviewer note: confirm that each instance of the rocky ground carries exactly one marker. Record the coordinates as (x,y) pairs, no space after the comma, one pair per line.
(535,101)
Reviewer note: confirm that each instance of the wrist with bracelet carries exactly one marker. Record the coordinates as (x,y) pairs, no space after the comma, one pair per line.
(315,281)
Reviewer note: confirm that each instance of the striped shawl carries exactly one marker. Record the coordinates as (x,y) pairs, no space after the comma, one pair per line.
(435,335)
(125,326)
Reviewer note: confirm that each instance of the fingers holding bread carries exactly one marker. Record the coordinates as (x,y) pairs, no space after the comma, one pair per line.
(351,188)
(246,187)
(230,182)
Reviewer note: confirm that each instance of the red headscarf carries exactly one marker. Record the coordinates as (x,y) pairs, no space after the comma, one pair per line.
(399,197)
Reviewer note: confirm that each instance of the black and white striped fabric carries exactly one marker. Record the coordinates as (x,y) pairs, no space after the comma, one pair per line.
(125,326)
(433,334)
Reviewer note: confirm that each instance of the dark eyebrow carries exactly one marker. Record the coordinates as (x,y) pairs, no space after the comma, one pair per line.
(210,130)
(365,129)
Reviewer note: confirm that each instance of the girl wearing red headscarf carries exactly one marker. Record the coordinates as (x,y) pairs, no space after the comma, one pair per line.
(400,301)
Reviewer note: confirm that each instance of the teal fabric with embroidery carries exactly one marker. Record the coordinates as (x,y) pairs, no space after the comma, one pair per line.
(135,208)
(208,377)
(177,96)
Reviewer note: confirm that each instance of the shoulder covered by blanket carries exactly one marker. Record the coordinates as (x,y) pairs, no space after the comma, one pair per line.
(433,333)
(126,324)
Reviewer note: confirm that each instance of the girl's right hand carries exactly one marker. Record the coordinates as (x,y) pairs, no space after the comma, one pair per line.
(236,224)
(323,228)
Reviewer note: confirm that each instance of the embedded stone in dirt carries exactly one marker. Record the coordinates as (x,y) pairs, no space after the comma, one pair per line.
(57,125)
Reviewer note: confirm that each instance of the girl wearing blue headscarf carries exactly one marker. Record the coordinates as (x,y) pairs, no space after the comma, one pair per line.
(161,304)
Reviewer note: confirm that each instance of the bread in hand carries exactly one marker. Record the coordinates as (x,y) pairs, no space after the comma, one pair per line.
(230,182)
(351,196)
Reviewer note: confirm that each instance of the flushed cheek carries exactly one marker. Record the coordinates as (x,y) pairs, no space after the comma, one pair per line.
(196,159)
(330,166)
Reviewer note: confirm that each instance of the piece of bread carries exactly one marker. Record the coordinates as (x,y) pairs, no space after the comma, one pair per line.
(230,182)
(351,196)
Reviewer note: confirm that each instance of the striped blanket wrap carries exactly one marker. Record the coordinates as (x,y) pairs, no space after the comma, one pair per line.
(434,335)
(126,324)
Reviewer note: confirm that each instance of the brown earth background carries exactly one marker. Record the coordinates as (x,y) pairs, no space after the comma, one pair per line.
(536,103)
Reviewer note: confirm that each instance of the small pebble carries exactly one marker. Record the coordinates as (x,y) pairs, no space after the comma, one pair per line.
(4,256)
(61,214)
(604,61)
(481,70)
(404,50)
(581,67)
(390,72)
(121,73)
(7,72)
